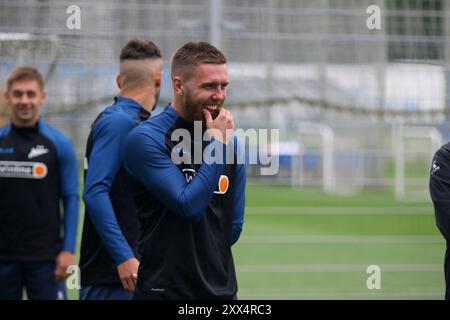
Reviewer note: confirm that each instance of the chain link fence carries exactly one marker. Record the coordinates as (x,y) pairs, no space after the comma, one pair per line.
(290,62)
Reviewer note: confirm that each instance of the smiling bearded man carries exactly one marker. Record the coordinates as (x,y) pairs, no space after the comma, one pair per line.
(191,212)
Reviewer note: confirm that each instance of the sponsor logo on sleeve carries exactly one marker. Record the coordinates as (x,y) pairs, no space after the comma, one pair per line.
(222,185)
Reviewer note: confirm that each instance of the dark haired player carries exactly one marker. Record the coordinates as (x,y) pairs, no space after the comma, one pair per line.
(109,259)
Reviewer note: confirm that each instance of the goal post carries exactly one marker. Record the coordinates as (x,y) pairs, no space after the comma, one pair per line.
(18,49)
(316,141)
(413,147)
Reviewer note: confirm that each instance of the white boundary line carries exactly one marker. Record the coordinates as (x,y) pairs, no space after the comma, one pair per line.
(341,239)
(375,294)
(339,211)
(307,268)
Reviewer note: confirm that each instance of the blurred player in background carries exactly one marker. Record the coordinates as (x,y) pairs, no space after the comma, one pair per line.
(191,213)
(38,168)
(440,194)
(109,258)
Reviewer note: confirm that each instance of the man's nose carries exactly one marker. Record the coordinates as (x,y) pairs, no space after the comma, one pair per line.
(24,99)
(220,94)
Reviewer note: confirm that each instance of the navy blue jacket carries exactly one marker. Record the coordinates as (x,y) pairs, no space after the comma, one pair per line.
(111,227)
(38,169)
(190,214)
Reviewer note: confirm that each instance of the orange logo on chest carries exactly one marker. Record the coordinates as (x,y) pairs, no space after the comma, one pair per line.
(222,185)
(39,170)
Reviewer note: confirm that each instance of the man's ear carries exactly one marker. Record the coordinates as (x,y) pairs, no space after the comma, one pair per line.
(44,96)
(177,83)
(119,81)
(158,79)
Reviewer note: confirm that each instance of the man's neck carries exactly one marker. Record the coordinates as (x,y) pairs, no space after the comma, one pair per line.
(25,124)
(178,106)
(146,100)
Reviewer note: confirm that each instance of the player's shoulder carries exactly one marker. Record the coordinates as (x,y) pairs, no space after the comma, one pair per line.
(114,121)
(62,142)
(4,130)
(163,121)
(152,131)
(146,128)
(441,160)
(443,152)
(53,133)
(116,114)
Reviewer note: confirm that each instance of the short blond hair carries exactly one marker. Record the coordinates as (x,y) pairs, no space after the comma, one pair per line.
(24,73)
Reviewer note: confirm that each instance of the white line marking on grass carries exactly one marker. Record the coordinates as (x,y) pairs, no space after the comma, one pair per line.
(339,239)
(339,210)
(344,295)
(304,268)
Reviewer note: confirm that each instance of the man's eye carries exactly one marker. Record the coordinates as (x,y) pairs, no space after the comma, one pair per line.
(17,94)
(29,94)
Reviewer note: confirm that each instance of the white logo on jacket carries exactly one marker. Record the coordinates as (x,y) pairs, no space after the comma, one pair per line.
(37,151)
(189,174)
(434,167)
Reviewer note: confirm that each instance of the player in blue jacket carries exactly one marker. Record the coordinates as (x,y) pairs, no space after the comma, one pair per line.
(109,256)
(38,169)
(190,198)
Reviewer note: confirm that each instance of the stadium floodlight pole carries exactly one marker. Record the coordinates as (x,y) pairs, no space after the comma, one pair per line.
(215,22)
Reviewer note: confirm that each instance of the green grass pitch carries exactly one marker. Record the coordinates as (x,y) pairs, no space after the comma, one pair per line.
(299,244)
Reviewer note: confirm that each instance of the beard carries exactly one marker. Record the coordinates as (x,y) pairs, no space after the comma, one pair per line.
(194,108)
